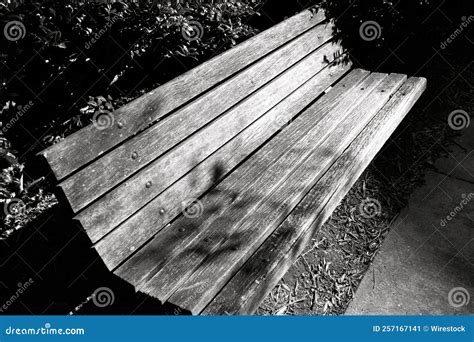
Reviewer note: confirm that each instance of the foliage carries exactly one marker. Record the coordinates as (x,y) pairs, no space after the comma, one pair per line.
(11,182)
(374,29)
(66,60)
(17,200)
(76,49)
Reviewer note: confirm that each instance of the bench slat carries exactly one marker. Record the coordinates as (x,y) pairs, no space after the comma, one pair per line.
(142,226)
(167,243)
(219,267)
(130,196)
(91,182)
(244,293)
(258,176)
(89,144)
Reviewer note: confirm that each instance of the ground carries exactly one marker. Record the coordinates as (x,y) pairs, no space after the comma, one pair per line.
(426,263)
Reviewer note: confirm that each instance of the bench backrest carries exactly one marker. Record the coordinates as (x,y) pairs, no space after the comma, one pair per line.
(149,160)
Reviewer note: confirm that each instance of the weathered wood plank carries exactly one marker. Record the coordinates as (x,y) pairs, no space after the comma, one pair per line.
(244,293)
(168,242)
(92,182)
(89,143)
(135,231)
(127,198)
(219,267)
(248,192)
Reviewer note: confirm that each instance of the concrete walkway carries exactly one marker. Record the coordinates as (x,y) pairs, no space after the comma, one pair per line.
(426,263)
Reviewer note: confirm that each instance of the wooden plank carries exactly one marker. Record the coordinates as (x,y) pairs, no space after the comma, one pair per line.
(127,198)
(247,192)
(89,143)
(244,293)
(132,233)
(147,261)
(250,233)
(92,182)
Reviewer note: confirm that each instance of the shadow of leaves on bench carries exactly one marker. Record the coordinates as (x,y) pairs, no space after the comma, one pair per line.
(208,247)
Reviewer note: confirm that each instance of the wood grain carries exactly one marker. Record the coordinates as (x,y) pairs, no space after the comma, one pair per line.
(250,233)
(250,184)
(244,293)
(135,231)
(92,182)
(127,198)
(168,242)
(89,143)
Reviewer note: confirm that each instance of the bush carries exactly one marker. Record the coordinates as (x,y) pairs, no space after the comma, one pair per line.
(61,61)
(374,29)
(75,49)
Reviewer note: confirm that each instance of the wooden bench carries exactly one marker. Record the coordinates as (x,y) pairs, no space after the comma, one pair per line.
(204,191)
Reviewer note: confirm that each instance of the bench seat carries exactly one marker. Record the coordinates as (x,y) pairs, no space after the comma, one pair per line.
(204,191)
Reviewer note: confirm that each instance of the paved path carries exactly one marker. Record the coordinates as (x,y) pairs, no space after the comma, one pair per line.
(426,263)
